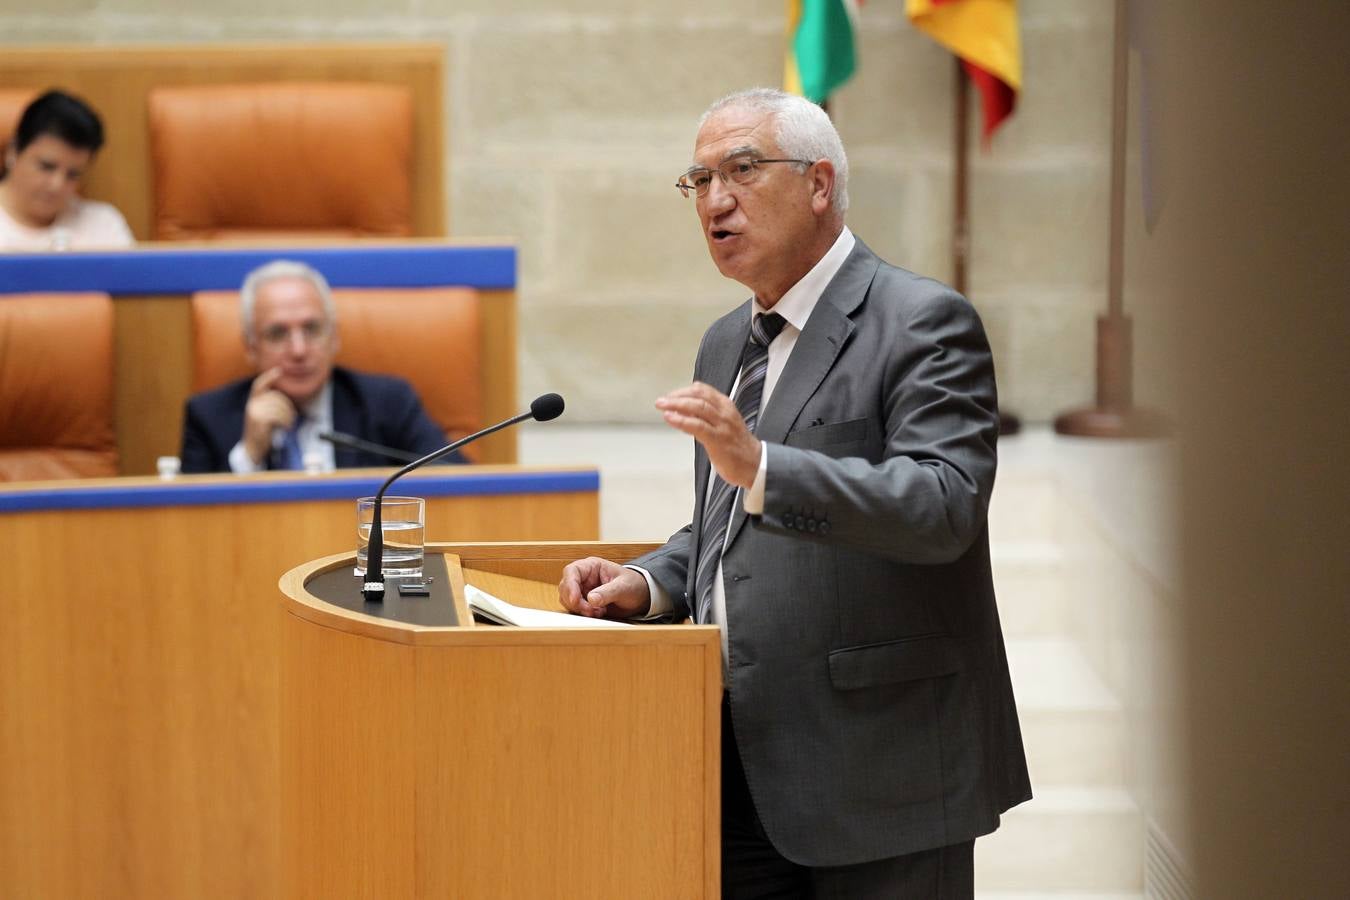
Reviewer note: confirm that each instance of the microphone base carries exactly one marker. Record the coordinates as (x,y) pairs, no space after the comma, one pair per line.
(373,591)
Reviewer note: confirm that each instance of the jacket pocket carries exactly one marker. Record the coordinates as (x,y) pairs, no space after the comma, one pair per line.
(829,434)
(889,662)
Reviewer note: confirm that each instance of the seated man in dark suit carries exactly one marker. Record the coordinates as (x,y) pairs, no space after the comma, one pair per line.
(273,420)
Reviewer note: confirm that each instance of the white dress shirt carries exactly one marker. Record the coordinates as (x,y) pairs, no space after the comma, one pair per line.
(316,452)
(82,225)
(795,307)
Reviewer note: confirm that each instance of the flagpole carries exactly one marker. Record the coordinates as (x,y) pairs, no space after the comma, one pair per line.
(960,212)
(1115,414)
(1008,423)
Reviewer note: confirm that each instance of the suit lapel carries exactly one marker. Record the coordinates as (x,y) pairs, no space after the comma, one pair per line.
(721,359)
(818,346)
(347,415)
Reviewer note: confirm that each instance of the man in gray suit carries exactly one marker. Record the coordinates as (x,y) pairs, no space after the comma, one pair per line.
(845,422)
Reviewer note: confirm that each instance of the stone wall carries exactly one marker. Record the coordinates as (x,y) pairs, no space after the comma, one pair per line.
(568,122)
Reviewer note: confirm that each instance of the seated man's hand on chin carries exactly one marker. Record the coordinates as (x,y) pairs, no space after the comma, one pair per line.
(603,590)
(267,410)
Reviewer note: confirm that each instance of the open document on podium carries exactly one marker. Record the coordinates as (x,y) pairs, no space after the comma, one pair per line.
(500,612)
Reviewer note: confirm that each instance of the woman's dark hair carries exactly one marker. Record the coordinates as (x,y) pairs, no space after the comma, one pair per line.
(60,115)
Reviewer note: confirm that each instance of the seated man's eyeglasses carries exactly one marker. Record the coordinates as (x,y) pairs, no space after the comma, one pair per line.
(311,331)
(737,170)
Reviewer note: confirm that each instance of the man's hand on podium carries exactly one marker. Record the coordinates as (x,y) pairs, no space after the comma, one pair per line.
(604,590)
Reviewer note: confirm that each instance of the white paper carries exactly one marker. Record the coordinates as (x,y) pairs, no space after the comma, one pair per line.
(505,613)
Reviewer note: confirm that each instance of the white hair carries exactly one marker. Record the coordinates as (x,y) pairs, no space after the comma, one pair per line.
(281,268)
(802,129)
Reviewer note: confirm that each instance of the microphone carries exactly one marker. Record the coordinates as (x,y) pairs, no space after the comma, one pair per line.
(356,443)
(544,408)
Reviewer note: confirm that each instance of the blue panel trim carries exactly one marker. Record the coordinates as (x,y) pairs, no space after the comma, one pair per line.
(254,491)
(160,271)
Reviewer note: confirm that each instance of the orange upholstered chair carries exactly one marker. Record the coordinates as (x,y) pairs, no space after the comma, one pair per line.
(428,336)
(13,101)
(286,159)
(56,387)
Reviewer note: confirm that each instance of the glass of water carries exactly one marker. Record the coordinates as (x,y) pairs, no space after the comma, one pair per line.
(402,522)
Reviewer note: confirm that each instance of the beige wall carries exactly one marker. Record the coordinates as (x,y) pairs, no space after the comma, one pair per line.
(1244,281)
(568,121)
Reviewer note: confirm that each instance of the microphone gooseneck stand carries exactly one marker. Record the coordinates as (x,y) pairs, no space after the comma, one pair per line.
(543,409)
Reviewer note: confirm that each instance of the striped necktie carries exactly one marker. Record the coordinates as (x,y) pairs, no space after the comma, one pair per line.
(717,511)
(292,457)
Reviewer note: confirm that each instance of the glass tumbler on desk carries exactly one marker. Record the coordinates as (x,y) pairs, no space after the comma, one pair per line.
(403,524)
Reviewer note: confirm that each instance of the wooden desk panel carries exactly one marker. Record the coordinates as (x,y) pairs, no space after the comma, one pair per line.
(152,378)
(138,680)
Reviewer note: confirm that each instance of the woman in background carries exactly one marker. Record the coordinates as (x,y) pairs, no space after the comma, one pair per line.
(40,208)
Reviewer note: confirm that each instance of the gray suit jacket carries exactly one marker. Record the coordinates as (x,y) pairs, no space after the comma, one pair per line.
(867,675)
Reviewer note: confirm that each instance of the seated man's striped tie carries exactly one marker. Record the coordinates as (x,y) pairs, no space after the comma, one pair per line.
(292,457)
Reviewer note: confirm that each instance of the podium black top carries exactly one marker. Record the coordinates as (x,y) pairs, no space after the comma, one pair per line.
(341,588)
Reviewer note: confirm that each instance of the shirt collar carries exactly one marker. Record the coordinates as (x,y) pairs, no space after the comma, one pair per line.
(319,411)
(796,305)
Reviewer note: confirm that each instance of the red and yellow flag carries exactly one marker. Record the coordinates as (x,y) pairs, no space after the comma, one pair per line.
(983,33)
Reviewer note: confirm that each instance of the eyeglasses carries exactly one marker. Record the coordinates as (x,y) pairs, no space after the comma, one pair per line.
(737,170)
(278,335)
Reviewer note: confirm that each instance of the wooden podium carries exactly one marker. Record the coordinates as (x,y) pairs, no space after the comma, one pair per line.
(466,760)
